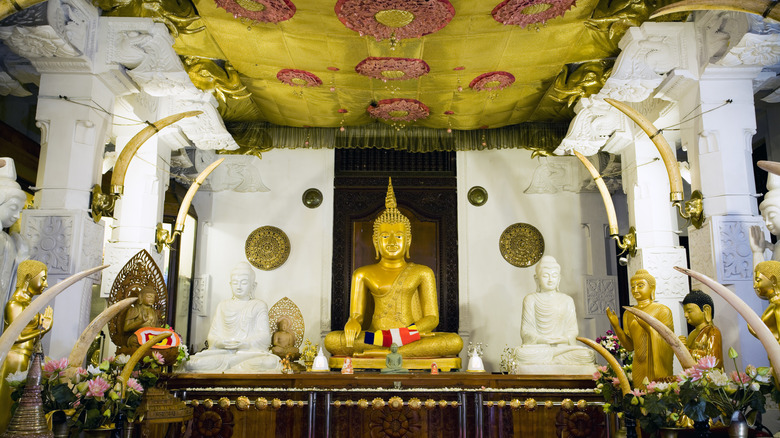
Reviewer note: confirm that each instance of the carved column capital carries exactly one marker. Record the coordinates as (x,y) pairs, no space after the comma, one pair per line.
(596,121)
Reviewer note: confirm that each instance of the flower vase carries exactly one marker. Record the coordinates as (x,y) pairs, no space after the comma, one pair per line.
(127,432)
(738,428)
(702,428)
(60,427)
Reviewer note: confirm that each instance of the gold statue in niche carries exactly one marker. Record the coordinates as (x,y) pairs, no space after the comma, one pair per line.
(652,355)
(404,294)
(705,339)
(30,282)
(765,279)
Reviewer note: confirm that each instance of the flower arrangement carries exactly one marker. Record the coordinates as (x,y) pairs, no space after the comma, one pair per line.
(399,110)
(524,12)
(495,80)
(92,397)
(298,78)
(611,343)
(394,19)
(392,69)
(267,11)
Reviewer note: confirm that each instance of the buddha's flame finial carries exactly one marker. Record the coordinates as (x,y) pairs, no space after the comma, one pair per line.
(392,215)
(390,198)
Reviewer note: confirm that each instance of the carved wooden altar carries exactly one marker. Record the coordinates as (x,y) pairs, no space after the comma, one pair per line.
(376,405)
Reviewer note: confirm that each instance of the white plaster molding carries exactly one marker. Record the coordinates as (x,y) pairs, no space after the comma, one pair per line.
(700,247)
(200,295)
(593,125)
(9,85)
(37,42)
(717,31)
(237,173)
(206,131)
(753,49)
(76,22)
(720,249)
(553,175)
(660,262)
(600,293)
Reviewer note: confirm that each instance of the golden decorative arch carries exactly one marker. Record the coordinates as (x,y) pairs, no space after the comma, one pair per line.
(287,309)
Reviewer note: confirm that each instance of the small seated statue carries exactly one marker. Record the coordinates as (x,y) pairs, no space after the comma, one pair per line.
(283,341)
(141,314)
(549,326)
(240,336)
(405,299)
(652,355)
(394,362)
(31,279)
(765,282)
(705,339)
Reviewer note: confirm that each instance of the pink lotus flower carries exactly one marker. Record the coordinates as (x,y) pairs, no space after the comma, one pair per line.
(596,375)
(615,381)
(135,385)
(707,363)
(53,367)
(694,373)
(97,387)
(158,358)
(740,377)
(603,368)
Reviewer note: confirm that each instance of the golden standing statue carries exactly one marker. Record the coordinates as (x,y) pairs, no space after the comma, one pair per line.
(652,355)
(705,339)
(30,282)
(765,279)
(404,295)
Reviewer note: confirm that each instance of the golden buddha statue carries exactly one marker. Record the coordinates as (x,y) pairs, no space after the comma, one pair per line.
(141,314)
(652,355)
(705,339)
(405,300)
(765,279)
(30,282)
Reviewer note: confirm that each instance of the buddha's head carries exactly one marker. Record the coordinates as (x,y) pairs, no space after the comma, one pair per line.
(548,274)
(12,197)
(31,276)
(698,308)
(770,206)
(643,286)
(242,281)
(392,230)
(147,296)
(765,277)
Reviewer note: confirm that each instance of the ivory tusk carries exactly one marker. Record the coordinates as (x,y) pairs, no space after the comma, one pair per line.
(762,331)
(128,369)
(667,153)
(608,204)
(625,387)
(20,322)
(135,143)
(79,352)
(185,204)
(758,7)
(770,166)
(680,350)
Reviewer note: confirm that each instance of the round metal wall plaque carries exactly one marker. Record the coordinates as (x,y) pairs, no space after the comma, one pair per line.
(521,245)
(477,196)
(312,198)
(267,248)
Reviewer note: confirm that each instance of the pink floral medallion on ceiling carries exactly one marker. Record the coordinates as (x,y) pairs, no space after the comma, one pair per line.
(398,19)
(392,69)
(399,110)
(524,12)
(267,11)
(298,78)
(494,80)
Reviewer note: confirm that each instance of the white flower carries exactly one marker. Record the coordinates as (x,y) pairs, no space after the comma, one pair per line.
(93,370)
(754,386)
(16,378)
(718,378)
(661,386)
(122,359)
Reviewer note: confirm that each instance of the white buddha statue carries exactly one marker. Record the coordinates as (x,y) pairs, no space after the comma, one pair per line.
(549,328)
(14,248)
(240,335)
(770,211)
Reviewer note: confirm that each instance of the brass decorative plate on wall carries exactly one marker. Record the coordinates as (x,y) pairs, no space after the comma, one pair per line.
(267,248)
(521,245)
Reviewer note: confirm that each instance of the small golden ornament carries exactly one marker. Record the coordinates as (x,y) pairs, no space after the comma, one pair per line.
(454,404)
(501,403)
(242,403)
(489,404)
(337,403)
(430,403)
(224,402)
(567,404)
(276,403)
(289,403)
(548,404)
(349,403)
(395,402)
(442,403)
(530,404)
(261,403)
(582,404)
(208,403)
(521,245)
(362,403)
(378,403)
(195,403)
(300,403)
(267,248)
(415,403)
(514,403)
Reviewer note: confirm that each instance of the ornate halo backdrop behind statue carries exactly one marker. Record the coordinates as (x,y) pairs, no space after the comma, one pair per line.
(524,12)
(491,81)
(267,248)
(286,308)
(392,69)
(298,78)
(398,19)
(399,110)
(266,11)
(521,245)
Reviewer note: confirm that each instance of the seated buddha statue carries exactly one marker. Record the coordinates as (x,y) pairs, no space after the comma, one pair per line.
(31,276)
(705,338)
(766,279)
(406,309)
(141,314)
(549,324)
(283,341)
(240,335)
(652,355)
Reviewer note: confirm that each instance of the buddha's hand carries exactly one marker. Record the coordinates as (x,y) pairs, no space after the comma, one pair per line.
(47,319)
(613,319)
(230,344)
(757,241)
(351,331)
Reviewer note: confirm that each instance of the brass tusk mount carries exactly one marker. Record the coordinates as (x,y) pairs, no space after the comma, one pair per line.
(163,238)
(102,204)
(627,243)
(692,210)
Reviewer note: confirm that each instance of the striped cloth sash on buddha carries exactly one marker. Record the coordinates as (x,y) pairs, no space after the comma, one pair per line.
(399,336)
(146,333)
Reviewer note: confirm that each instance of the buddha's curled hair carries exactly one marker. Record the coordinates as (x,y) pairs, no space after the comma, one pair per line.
(392,215)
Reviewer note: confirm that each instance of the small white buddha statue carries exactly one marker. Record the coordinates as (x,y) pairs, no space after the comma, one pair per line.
(770,211)
(240,336)
(549,328)
(13,247)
